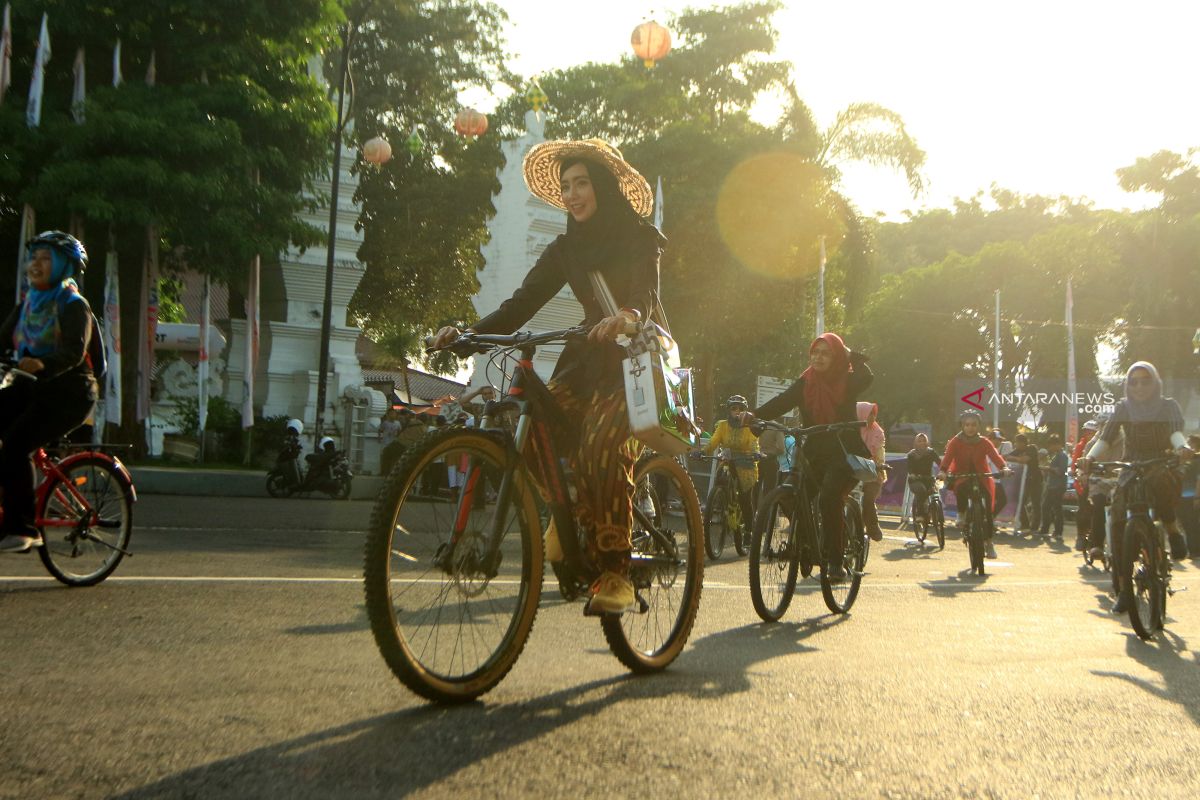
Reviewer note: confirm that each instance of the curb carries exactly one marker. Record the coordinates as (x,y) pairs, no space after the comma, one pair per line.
(227,483)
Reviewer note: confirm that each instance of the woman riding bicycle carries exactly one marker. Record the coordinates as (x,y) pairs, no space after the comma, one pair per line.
(741,441)
(969,452)
(921,461)
(606,200)
(1152,425)
(49,330)
(826,393)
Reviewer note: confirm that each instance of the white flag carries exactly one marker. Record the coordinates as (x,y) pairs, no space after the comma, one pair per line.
(77,94)
(28,231)
(821,291)
(112,338)
(6,53)
(251,344)
(658,205)
(202,367)
(33,109)
(148,327)
(117,79)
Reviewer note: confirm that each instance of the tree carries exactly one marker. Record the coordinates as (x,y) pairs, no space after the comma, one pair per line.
(219,154)
(424,213)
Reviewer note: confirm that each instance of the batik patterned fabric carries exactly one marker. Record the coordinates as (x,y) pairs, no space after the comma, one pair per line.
(602,455)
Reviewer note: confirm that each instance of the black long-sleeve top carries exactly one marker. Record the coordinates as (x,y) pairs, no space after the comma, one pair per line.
(824,447)
(74,334)
(632,278)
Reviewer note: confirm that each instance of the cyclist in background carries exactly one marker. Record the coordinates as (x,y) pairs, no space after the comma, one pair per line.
(1083,513)
(967,451)
(49,331)
(1152,426)
(921,462)
(876,441)
(826,393)
(741,441)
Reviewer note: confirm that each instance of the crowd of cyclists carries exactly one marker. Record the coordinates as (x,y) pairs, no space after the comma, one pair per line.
(1145,425)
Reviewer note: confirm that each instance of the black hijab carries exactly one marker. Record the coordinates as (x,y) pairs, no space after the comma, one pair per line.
(597,242)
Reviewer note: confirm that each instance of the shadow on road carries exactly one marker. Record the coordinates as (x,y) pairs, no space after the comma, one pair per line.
(397,754)
(964,581)
(912,550)
(1169,656)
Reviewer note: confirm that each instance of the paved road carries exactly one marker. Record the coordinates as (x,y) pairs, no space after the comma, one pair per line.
(231,658)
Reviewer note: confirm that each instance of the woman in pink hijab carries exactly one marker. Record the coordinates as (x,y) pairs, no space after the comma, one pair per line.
(874,438)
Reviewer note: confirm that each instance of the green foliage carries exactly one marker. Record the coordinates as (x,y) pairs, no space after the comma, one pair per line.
(423,215)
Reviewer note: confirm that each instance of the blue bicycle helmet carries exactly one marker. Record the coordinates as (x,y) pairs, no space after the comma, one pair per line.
(65,244)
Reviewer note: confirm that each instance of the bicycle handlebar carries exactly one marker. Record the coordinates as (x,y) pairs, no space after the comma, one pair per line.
(1173,460)
(8,365)
(804,433)
(956,475)
(483,342)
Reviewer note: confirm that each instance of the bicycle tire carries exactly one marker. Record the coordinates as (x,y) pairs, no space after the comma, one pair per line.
(86,557)
(775,536)
(650,640)
(919,529)
(405,537)
(1141,546)
(744,531)
(840,597)
(716,519)
(939,525)
(977,525)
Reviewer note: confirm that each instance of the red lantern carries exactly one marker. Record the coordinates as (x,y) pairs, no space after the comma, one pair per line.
(377,151)
(651,42)
(470,123)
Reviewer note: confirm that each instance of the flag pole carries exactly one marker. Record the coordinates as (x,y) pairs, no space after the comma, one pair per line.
(1072,388)
(996,365)
(821,291)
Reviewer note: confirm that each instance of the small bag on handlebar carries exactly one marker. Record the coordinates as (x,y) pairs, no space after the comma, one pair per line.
(865,469)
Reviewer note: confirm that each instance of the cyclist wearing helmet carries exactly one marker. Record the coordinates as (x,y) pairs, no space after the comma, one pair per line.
(49,332)
(967,451)
(741,441)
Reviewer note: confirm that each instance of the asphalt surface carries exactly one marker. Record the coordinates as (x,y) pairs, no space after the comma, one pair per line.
(231,657)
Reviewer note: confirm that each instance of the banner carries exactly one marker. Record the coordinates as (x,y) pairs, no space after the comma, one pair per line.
(112,338)
(33,108)
(117,78)
(251,356)
(202,366)
(28,231)
(79,92)
(148,329)
(6,53)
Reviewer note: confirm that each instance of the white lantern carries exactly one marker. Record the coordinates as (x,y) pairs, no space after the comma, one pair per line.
(377,151)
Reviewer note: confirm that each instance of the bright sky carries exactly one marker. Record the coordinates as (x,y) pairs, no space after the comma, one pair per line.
(1044,97)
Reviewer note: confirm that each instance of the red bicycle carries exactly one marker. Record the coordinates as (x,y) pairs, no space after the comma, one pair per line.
(83,510)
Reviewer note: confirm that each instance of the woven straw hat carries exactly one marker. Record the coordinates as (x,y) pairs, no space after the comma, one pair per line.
(542,171)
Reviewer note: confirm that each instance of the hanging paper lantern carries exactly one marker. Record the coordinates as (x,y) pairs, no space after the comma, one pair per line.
(414,143)
(377,151)
(536,97)
(651,42)
(470,123)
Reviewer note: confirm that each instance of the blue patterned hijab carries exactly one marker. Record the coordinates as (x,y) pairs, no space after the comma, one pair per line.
(36,332)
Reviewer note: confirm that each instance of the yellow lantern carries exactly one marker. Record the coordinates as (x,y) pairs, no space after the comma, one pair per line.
(377,151)
(651,42)
(470,123)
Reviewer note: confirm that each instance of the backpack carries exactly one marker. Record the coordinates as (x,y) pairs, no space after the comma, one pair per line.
(771,442)
(96,356)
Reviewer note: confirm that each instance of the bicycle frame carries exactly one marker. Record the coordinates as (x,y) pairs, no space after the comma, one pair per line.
(537,412)
(50,467)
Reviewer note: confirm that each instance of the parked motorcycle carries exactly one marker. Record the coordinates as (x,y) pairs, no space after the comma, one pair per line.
(328,470)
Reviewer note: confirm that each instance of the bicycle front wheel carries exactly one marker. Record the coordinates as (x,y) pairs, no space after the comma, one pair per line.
(840,596)
(86,521)
(976,525)
(716,519)
(742,531)
(1146,610)
(775,554)
(939,524)
(666,567)
(450,607)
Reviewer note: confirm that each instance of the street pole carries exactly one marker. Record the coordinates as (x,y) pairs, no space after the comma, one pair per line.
(327,308)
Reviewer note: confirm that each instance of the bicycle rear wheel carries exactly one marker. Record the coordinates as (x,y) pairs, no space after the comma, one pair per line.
(775,554)
(83,543)
(716,518)
(939,524)
(1146,610)
(667,570)
(449,614)
(840,596)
